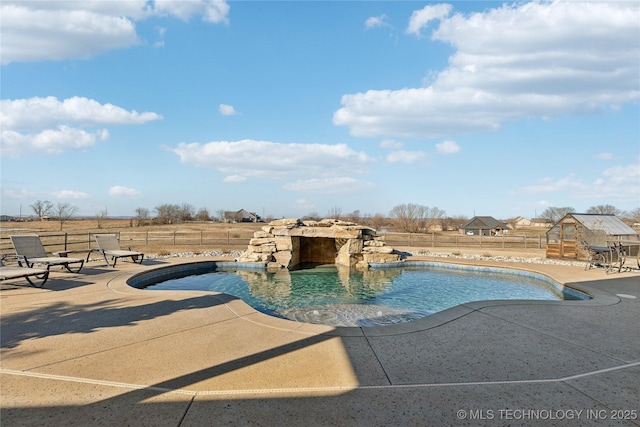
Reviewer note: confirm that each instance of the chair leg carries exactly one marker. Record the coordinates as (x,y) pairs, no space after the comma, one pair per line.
(72,270)
(42,277)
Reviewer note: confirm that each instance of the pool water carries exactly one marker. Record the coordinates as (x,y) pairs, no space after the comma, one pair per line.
(329,295)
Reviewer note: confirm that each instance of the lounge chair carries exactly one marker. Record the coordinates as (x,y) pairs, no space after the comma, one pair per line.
(109,246)
(30,252)
(14,272)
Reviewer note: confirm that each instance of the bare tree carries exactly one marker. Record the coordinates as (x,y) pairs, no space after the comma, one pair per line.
(334,212)
(63,212)
(312,216)
(167,213)
(42,208)
(220,214)
(101,217)
(203,214)
(355,216)
(554,214)
(414,218)
(377,221)
(634,215)
(186,212)
(142,215)
(604,209)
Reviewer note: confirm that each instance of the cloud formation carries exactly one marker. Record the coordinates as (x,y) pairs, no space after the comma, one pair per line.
(536,59)
(119,191)
(311,165)
(376,21)
(421,18)
(57,30)
(403,156)
(614,184)
(448,147)
(227,110)
(50,126)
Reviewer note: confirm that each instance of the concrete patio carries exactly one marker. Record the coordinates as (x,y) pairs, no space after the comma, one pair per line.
(88,350)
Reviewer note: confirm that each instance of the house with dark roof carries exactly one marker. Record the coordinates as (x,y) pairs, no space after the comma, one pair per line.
(484,226)
(573,233)
(241,216)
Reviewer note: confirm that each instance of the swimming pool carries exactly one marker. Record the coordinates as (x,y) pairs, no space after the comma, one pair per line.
(334,296)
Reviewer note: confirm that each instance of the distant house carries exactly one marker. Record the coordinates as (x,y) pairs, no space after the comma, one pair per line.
(569,236)
(520,222)
(484,226)
(541,222)
(241,216)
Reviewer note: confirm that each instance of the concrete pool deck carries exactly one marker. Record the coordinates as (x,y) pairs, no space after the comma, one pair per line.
(90,350)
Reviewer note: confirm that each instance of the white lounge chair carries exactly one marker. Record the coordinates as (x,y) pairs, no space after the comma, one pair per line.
(30,252)
(108,245)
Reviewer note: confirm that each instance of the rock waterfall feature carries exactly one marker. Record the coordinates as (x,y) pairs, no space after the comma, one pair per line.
(286,243)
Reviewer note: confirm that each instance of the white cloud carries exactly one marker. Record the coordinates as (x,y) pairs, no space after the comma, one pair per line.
(42,125)
(390,144)
(18,194)
(69,194)
(56,30)
(421,18)
(376,21)
(227,110)
(235,178)
(403,156)
(334,185)
(615,184)
(448,147)
(37,113)
(214,11)
(118,190)
(516,61)
(49,141)
(252,158)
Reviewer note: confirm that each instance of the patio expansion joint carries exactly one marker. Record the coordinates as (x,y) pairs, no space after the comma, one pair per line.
(288,390)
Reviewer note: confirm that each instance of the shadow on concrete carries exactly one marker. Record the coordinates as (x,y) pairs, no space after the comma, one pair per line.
(62,318)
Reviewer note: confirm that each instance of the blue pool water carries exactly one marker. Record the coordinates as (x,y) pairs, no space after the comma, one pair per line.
(345,297)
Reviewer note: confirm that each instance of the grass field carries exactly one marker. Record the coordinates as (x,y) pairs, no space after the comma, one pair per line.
(199,237)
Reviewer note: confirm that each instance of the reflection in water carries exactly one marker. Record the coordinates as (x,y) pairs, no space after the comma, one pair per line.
(340,296)
(322,284)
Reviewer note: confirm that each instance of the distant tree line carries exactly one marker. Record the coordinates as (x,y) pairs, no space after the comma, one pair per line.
(409,217)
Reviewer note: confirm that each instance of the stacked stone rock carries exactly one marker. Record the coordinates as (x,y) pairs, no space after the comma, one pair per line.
(278,244)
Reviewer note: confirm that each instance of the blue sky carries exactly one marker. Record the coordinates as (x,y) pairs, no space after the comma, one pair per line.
(291,107)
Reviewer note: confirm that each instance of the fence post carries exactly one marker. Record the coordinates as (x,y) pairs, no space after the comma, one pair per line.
(503,241)
(227,240)
(174,237)
(456,240)
(539,242)
(65,241)
(433,240)
(146,238)
(200,237)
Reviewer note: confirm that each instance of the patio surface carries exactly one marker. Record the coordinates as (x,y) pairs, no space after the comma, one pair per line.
(88,350)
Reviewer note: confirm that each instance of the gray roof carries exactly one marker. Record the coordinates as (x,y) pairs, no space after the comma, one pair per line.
(483,223)
(610,224)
